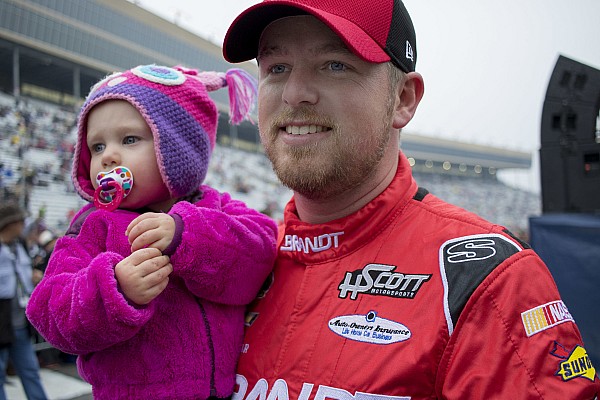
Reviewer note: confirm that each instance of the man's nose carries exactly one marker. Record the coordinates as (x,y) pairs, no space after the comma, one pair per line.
(300,88)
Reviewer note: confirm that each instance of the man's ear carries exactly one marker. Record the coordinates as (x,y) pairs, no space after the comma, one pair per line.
(408,98)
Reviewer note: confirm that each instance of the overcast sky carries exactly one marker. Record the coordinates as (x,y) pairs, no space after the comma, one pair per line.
(486,64)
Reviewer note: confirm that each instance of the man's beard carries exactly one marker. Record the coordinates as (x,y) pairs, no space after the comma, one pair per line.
(329,167)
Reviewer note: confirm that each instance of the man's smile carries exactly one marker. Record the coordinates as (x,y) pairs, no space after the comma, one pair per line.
(305,129)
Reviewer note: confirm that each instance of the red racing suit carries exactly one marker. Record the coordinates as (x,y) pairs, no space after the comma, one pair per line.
(409,298)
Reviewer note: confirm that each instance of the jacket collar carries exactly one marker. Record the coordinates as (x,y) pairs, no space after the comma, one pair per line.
(316,243)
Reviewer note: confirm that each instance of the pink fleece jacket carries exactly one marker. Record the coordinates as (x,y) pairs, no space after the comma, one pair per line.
(185,343)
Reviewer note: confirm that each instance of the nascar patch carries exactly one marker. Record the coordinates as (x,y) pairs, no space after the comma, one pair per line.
(545,316)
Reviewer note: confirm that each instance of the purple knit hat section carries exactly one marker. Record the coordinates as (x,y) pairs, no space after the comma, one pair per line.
(182,117)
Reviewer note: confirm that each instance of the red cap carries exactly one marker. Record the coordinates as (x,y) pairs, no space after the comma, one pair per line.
(375,30)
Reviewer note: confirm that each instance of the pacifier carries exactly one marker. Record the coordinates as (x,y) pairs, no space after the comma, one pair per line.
(113,187)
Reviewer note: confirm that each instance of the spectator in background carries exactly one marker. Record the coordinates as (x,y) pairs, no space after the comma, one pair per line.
(6,181)
(46,241)
(15,287)
(33,228)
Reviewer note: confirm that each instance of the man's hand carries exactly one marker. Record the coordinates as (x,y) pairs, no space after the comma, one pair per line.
(143,275)
(151,230)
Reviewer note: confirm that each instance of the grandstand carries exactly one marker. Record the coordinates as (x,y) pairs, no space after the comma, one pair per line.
(52,51)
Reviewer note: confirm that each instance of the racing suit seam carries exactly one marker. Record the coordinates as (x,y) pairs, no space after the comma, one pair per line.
(308,360)
(486,228)
(439,358)
(339,356)
(286,342)
(484,225)
(486,289)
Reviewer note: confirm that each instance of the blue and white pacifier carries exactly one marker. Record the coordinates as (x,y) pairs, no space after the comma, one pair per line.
(113,187)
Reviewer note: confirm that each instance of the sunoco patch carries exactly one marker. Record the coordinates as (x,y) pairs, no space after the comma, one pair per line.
(575,364)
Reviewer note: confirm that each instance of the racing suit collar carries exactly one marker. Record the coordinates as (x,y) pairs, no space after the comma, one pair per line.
(315,243)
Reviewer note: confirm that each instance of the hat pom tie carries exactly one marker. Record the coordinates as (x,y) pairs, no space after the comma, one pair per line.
(242,94)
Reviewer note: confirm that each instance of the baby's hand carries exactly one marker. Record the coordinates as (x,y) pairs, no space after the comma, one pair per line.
(143,275)
(151,230)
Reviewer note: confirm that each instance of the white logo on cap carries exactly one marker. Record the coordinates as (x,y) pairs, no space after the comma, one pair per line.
(409,52)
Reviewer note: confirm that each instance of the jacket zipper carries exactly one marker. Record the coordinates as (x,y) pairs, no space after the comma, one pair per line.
(211,347)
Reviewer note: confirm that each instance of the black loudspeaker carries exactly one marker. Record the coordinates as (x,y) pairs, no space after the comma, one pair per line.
(570,138)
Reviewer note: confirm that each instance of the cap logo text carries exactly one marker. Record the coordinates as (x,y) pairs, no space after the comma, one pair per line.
(409,52)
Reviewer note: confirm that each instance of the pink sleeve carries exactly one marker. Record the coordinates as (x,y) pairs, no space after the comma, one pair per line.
(77,306)
(227,249)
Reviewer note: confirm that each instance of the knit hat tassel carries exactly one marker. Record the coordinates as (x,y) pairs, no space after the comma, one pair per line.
(242,94)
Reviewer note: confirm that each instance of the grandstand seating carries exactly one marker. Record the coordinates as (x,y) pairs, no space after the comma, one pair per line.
(49,135)
(489,198)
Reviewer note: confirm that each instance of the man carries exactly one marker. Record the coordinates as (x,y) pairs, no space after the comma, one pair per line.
(381,290)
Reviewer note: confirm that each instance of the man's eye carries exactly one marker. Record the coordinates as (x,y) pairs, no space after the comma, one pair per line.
(337,66)
(277,69)
(130,140)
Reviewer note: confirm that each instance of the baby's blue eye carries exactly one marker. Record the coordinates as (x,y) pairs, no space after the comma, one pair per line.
(130,140)
(97,148)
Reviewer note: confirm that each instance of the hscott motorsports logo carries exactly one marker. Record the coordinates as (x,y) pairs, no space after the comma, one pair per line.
(369,328)
(575,364)
(380,280)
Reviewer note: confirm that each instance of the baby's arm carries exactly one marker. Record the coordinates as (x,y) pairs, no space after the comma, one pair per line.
(78,307)
(226,250)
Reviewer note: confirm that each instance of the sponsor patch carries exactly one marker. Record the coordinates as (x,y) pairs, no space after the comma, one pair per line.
(465,262)
(474,249)
(369,328)
(575,364)
(545,316)
(381,280)
(279,389)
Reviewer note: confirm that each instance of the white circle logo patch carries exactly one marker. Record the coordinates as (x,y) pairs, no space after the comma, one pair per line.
(369,328)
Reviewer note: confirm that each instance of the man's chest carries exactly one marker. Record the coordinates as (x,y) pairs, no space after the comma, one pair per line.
(358,326)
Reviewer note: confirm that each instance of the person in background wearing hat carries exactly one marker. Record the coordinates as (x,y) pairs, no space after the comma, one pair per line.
(46,242)
(15,287)
(381,290)
(150,282)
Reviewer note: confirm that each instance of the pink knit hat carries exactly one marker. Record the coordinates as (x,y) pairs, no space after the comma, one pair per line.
(182,117)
